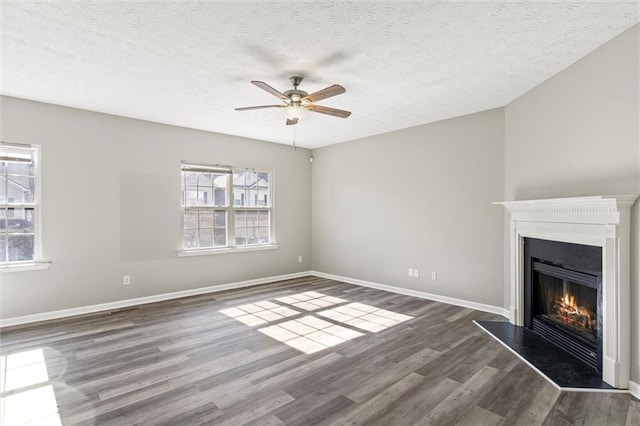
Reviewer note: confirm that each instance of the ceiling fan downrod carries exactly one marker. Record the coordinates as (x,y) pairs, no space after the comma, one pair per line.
(295,80)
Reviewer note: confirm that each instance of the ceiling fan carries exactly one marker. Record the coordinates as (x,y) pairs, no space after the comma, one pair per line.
(296,104)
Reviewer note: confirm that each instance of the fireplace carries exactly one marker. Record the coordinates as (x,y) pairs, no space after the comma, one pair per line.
(596,226)
(563,297)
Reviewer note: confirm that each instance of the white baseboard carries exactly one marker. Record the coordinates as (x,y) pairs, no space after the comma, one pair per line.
(634,389)
(420,294)
(26,319)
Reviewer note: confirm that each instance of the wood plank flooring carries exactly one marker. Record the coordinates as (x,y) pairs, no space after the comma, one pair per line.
(374,358)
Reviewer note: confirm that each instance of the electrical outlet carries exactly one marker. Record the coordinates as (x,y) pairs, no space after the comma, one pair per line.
(410,272)
(434,276)
(299,259)
(126,280)
(416,273)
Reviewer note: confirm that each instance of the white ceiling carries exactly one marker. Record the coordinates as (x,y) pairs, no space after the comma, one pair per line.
(190,63)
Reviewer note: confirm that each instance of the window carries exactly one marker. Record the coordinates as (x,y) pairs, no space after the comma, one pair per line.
(18,204)
(225,207)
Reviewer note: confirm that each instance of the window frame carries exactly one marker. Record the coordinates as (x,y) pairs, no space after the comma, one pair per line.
(36,205)
(229,208)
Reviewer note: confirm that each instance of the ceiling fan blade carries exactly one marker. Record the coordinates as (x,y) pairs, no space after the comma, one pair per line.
(325,93)
(329,111)
(292,122)
(264,86)
(258,107)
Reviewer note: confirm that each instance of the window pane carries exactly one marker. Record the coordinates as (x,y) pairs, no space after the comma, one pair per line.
(20,247)
(241,236)
(19,168)
(206,219)
(263,219)
(20,220)
(263,198)
(252,219)
(220,237)
(220,219)
(3,220)
(220,180)
(3,189)
(190,219)
(263,235)
(3,248)
(264,176)
(190,238)
(241,219)
(239,186)
(206,238)
(238,197)
(191,197)
(220,197)
(251,235)
(190,178)
(220,189)
(204,196)
(204,179)
(20,189)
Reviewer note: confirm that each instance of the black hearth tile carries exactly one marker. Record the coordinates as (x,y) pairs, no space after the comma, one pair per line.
(561,368)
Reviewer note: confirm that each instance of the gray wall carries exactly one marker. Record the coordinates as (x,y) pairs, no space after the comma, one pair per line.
(415,198)
(578,134)
(111,206)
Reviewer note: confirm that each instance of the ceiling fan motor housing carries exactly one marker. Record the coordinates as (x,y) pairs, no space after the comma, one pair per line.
(295,95)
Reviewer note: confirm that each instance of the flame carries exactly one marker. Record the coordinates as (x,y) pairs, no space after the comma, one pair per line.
(570,302)
(568,311)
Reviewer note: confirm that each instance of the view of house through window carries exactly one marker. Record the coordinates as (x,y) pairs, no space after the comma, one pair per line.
(18,203)
(225,207)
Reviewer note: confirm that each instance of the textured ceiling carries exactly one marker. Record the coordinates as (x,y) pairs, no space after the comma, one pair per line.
(190,63)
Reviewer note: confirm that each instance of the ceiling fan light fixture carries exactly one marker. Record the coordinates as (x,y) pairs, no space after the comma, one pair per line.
(295,111)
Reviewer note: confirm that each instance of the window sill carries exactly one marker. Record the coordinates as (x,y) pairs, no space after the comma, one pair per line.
(206,252)
(24,267)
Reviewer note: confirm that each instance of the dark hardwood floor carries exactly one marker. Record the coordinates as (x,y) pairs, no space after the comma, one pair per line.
(299,352)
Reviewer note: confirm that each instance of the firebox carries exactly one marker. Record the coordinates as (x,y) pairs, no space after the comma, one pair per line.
(563,297)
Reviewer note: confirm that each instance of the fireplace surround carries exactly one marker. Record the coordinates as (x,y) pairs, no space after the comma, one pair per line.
(602,222)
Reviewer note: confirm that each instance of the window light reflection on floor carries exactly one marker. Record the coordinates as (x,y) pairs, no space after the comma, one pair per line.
(310,300)
(365,317)
(26,396)
(309,333)
(259,313)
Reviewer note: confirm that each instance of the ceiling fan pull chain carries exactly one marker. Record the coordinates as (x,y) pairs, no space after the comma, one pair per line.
(294,139)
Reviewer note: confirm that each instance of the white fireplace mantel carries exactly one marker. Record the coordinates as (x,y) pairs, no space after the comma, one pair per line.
(601,221)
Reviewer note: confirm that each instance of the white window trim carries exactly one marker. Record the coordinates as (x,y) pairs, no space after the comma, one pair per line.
(229,248)
(24,267)
(37,263)
(225,250)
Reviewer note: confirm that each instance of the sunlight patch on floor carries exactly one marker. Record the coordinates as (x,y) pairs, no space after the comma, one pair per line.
(309,333)
(310,300)
(365,317)
(25,400)
(259,313)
